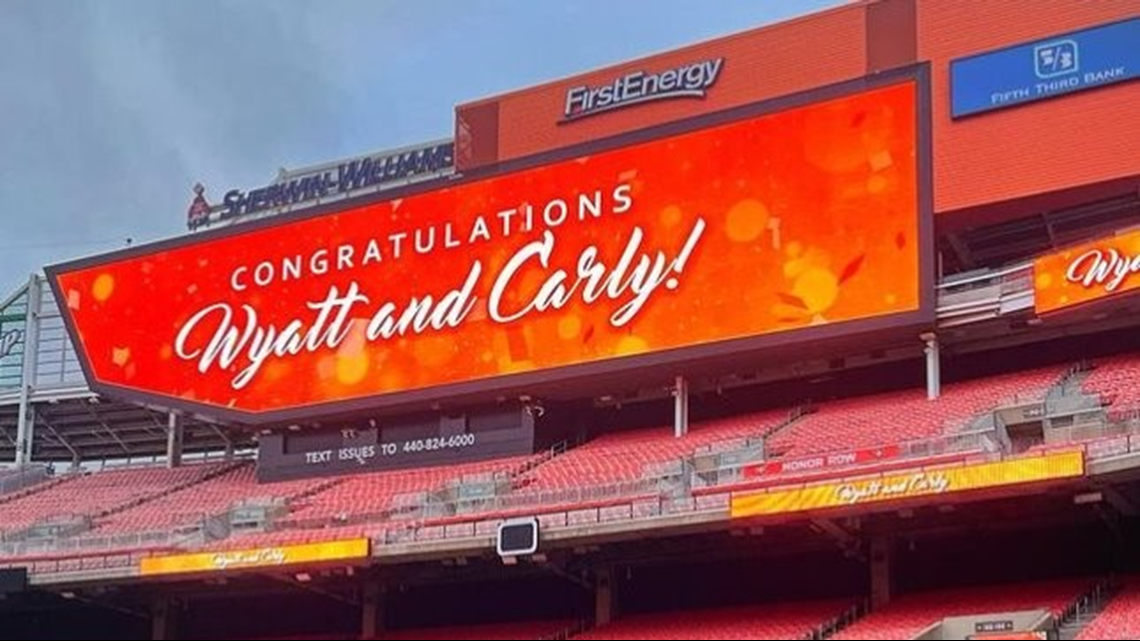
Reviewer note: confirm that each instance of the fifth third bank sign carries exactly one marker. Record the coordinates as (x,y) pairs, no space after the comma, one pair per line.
(1066,63)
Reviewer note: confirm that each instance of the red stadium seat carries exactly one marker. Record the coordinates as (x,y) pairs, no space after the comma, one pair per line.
(500,632)
(210,497)
(373,494)
(909,615)
(97,494)
(1117,381)
(1120,620)
(887,419)
(780,621)
(624,456)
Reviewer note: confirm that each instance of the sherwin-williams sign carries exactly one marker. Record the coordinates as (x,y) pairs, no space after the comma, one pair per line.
(1063,64)
(13,331)
(796,222)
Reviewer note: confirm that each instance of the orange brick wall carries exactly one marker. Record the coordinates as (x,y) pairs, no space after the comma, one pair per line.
(771,61)
(1044,146)
(1041,147)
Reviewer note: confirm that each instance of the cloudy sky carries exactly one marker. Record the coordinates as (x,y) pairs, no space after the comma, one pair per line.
(111,110)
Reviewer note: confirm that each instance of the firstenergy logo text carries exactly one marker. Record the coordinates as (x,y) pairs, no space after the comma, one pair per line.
(688,81)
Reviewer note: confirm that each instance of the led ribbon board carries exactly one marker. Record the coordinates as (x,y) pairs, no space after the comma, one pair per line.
(270,557)
(908,485)
(1095,271)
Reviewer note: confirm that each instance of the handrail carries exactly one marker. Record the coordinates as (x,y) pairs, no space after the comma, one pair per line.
(570,632)
(23,478)
(990,275)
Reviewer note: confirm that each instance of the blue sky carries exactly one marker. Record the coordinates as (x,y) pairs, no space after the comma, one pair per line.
(111,110)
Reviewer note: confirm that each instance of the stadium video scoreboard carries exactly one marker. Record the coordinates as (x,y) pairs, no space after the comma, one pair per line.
(785,221)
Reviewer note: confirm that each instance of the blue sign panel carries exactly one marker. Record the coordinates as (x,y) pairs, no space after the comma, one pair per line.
(1055,66)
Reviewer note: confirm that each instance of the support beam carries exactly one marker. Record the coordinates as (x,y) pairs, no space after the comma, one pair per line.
(162,620)
(844,539)
(98,418)
(933,366)
(372,611)
(76,459)
(174,434)
(229,442)
(881,580)
(681,407)
(1119,501)
(25,420)
(605,598)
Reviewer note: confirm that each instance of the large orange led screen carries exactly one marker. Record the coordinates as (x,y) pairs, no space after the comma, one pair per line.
(799,220)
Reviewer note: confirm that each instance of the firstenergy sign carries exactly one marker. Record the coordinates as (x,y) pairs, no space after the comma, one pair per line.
(804,220)
(687,81)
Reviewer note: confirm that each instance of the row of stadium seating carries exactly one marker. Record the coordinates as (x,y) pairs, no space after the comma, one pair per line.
(1120,620)
(909,615)
(776,621)
(100,494)
(624,456)
(892,418)
(905,618)
(1117,381)
(141,500)
(504,631)
(212,496)
(374,493)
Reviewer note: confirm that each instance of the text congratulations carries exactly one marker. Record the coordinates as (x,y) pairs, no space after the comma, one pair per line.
(231,337)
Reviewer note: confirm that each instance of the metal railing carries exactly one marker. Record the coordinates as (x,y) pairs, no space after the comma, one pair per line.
(21,478)
(987,441)
(1084,607)
(1012,277)
(550,517)
(849,616)
(570,632)
(85,544)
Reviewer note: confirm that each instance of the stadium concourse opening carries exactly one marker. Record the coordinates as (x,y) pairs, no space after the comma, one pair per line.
(764,337)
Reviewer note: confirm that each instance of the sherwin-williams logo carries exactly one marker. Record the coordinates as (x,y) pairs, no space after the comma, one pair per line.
(9,340)
(688,81)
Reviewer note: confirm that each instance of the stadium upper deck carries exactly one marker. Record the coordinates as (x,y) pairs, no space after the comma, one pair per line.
(996,395)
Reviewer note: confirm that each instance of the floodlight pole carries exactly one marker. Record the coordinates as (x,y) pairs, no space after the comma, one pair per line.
(933,365)
(174,435)
(25,420)
(681,407)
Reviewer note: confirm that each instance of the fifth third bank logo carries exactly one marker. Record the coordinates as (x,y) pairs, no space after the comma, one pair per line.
(1055,58)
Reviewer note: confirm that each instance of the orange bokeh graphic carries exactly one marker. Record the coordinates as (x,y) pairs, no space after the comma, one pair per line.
(794,219)
(1087,273)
